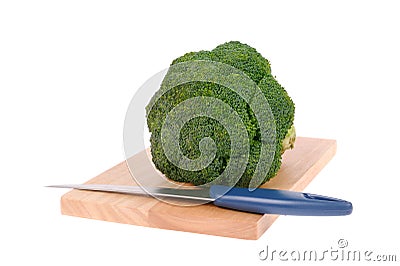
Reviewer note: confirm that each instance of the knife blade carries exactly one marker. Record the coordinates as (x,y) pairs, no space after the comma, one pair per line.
(260,200)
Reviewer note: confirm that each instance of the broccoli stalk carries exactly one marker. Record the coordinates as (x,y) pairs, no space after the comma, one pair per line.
(257,68)
(288,141)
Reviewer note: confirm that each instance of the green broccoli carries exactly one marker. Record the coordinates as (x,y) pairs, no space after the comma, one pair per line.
(257,68)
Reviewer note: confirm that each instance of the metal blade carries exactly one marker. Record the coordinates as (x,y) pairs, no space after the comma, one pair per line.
(200,194)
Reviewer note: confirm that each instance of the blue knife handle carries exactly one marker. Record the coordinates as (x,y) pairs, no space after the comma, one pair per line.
(281,202)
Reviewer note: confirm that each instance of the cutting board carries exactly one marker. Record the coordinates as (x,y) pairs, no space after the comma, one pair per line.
(299,166)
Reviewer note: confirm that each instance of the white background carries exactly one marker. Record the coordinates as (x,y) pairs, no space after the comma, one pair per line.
(68,70)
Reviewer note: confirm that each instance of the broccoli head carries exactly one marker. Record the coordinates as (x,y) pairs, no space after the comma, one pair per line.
(257,68)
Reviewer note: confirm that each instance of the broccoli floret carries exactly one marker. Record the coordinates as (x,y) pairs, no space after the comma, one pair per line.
(282,108)
(257,68)
(201,55)
(243,57)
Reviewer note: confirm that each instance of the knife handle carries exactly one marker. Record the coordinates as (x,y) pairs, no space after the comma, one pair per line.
(282,202)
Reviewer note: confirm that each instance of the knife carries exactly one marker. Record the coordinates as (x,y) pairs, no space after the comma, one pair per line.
(260,200)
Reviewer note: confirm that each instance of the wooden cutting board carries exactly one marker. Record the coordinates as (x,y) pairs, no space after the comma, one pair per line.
(299,167)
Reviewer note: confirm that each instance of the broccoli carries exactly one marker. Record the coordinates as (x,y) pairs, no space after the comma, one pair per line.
(257,68)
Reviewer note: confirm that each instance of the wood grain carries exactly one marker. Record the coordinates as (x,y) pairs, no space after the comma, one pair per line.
(299,167)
